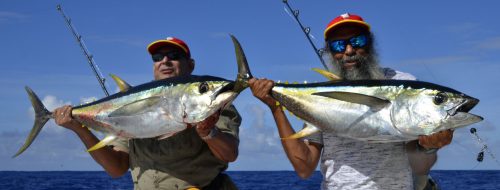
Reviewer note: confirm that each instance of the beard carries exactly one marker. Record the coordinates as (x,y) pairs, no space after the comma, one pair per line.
(367,66)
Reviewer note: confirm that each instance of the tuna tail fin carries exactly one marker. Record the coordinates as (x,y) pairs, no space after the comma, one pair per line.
(244,73)
(42,115)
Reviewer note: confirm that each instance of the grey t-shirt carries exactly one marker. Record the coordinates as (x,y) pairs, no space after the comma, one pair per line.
(351,164)
(180,161)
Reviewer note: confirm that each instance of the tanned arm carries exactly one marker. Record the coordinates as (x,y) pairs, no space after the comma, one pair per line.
(115,163)
(421,161)
(304,157)
(224,146)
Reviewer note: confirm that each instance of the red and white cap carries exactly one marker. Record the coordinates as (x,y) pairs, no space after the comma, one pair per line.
(345,19)
(169,41)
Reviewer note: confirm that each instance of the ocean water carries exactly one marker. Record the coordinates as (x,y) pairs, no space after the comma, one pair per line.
(251,180)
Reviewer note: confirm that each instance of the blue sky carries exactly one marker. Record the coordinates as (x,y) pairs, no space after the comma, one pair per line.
(447,42)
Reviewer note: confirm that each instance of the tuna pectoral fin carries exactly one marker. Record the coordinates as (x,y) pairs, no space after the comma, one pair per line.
(124,86)
(309,130)
(102,143)
(42,115)
(137,107)
(330,76)
(373,102)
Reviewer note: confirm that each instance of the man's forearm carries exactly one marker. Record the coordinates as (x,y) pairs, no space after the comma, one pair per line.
(420,161)
(114,162)
(224,146)
(302,157)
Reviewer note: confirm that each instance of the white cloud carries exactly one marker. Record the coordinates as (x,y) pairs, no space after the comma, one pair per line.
(86,100)
(489,44)
(51,103)
(55,148)
(463,28)
(130,41)
(7,16)
(260,137)
(440,60)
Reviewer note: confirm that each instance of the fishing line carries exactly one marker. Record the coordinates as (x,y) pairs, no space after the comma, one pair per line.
(90,57)
(484,147)
(306,30)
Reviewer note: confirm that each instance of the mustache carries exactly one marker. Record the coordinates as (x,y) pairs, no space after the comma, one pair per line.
(367,67)
(355,58)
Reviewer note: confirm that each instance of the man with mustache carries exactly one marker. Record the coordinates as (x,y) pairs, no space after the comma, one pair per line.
(192,159)
(348,163)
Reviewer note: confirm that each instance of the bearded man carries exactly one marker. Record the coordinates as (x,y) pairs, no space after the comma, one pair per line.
(348,163)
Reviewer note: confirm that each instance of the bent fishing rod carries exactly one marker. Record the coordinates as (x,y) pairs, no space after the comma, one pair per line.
(89,57)
(307,31)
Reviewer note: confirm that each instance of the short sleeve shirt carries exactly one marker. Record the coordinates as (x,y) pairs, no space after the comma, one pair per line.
(180,161)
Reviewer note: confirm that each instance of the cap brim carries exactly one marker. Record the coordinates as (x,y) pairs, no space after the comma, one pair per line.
(152,47)
(356,22)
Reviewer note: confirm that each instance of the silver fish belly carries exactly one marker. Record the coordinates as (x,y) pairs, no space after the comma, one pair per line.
(377,110)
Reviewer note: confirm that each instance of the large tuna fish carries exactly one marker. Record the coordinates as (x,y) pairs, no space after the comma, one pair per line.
(156,109)
(374,110)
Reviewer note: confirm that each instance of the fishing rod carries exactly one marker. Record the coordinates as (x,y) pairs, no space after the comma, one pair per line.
(307,31)
(89,57)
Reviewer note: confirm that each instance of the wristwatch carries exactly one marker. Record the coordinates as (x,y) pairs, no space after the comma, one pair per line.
(212,134)
(420,148)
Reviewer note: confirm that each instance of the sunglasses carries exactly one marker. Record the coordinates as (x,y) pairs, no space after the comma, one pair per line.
(341,45)
(173,55)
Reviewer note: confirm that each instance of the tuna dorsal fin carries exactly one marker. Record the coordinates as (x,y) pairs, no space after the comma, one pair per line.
(124,86)
(330,76)
(308,130)
(373,102)
(102,143)
(137,107)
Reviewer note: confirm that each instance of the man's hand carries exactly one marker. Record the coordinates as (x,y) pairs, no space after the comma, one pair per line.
(437,140)
(204,127)
(62,116)
(261,89)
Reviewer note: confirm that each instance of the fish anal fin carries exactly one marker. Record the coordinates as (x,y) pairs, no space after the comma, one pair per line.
(327,74)
(375,103)
(124,86)
(308,130)
(137,107)
(102,143)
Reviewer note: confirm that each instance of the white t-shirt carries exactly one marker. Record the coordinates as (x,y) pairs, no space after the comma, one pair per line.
(352,164)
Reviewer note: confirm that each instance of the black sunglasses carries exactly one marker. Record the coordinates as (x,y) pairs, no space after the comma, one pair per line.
(356,42)
(173,55)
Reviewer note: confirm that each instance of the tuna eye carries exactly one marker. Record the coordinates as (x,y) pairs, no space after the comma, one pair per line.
(203,87)
(439,98)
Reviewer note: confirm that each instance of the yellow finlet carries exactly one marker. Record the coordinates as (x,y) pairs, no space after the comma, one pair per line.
(124,86)
(102,143)
(309,130)
(327,74)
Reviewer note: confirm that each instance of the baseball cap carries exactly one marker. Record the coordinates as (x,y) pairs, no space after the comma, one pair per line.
(169,41)
(345,19)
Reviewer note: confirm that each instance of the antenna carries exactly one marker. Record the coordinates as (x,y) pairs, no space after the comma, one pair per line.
(89,56)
